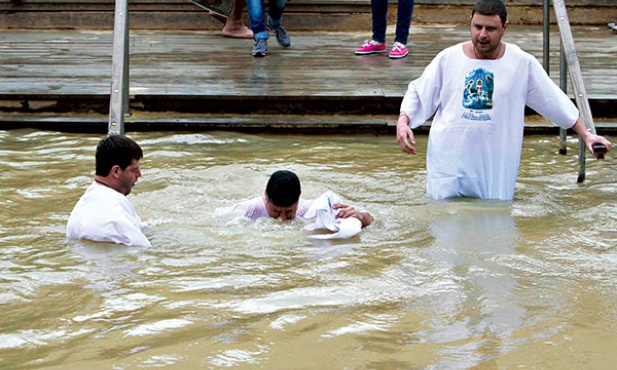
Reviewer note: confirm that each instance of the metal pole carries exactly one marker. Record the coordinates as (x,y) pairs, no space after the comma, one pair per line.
(126,66)
(581,161)
(547,37)
(563,148)
(563,83)
(118,104)
(574,67)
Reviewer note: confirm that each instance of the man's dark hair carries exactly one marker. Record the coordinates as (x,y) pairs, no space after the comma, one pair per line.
(116,150)
(283,188)
(491,7)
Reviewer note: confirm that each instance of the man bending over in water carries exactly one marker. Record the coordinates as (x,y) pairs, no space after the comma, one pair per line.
(282,200)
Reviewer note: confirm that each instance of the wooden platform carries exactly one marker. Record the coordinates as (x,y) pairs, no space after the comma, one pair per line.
(198,80)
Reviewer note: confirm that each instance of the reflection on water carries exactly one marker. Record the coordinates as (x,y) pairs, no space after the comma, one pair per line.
(434,285)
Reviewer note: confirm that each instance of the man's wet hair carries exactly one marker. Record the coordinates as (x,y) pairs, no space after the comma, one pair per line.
(283,188)
(116,150)
(491,7)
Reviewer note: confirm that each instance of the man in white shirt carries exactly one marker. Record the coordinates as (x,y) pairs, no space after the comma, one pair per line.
(282,200)
(103,213)
(477,91)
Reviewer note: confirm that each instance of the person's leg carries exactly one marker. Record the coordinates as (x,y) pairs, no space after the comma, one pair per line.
(257,17)
(234,26)
(379,14)
(377,44)
(275,13)
(403,20)
(275,22)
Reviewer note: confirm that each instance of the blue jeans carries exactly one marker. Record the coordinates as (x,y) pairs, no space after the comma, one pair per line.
(257,16)
(379,11)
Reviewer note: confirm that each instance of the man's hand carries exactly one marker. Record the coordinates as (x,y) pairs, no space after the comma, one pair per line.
(588,138)
(346,211)
(592,139)
(404,136)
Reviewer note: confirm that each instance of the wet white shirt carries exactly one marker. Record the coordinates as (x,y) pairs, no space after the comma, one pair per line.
(476,135)
(256,208)
(321,215)
(105,215)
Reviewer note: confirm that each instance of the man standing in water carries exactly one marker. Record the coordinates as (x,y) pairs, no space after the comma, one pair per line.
(103,213)
(282,200)
(477,91)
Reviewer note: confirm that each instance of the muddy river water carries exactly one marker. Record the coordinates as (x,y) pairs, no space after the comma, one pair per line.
(459,284)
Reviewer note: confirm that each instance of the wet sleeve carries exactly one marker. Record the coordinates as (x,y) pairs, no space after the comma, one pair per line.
(251,209)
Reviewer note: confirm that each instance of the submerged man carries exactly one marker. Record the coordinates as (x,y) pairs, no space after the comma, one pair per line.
(103,213)
(282,200)
(477,91)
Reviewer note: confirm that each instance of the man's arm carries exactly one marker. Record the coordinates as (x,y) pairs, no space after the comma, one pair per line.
(404,136)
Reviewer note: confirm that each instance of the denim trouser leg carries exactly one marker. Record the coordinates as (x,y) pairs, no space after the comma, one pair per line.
(379,13)
(403,20)
(257,18)
(277,7)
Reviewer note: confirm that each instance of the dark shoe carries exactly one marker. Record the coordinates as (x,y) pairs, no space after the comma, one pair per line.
(261,48)
(281,35)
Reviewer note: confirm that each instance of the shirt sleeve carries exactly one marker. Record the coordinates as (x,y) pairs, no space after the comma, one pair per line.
(422,97)
(251,209)
(546,98)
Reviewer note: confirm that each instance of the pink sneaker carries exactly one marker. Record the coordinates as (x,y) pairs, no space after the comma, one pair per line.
(370,48)
(398,51)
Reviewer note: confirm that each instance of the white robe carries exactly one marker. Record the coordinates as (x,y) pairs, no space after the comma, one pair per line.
(322,216)
(476,135)
(105,215)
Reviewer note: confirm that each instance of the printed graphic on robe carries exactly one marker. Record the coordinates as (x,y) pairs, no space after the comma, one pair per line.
(478,92)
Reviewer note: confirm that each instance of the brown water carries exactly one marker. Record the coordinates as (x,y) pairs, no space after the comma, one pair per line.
(431,285)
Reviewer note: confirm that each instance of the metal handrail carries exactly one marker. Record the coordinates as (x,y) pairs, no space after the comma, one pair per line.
(569,59)
(119,93)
